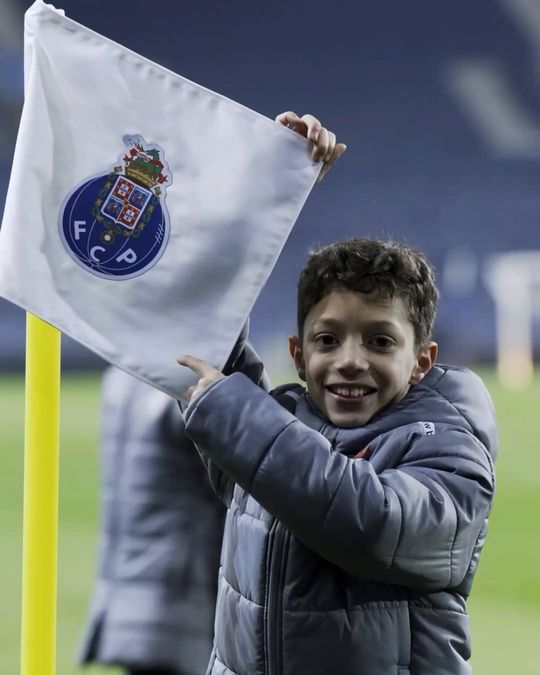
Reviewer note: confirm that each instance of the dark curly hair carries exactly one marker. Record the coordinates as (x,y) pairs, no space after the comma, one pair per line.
(380,269)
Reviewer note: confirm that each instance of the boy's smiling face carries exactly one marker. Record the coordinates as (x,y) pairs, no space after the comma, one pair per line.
(358,355)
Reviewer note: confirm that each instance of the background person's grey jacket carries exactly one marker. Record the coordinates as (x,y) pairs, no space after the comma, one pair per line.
(334,565)
(154,597)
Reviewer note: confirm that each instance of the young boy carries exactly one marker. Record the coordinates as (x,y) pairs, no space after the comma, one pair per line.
(358,506)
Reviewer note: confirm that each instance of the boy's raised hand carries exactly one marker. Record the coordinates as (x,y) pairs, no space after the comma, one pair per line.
(325,148)
(207,373)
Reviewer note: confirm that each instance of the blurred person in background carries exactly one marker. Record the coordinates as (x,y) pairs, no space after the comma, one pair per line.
(153,602)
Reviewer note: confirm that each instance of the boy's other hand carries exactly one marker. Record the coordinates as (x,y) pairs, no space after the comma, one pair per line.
(325,148)
(207,373)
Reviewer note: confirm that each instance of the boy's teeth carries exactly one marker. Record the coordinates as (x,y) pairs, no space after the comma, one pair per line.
(350,392)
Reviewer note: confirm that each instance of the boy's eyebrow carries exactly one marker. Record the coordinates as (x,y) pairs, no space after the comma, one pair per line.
(382,324)
(327,322)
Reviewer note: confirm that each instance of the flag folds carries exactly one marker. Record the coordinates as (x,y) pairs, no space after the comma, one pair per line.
(144,212)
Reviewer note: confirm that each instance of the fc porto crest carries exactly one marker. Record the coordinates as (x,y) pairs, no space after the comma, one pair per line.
(116,225)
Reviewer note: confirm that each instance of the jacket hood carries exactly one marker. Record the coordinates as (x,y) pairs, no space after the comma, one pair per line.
(451,395)
(448,394)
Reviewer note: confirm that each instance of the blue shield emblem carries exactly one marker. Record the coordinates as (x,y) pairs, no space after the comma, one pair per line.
(115,225)
(126,202)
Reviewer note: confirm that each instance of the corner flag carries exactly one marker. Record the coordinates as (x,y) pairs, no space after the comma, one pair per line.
(144,212)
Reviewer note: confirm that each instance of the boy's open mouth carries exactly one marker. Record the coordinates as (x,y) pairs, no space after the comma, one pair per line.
(352,392)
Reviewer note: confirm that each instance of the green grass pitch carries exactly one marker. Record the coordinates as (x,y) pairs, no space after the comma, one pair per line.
(504,606)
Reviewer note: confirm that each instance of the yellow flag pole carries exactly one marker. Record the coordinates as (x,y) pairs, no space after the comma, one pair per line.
(40,520)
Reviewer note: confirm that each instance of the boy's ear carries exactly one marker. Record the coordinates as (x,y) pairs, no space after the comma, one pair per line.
(295,350)
(425,359)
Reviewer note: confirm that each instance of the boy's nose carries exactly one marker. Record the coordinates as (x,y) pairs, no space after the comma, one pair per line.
(352,358)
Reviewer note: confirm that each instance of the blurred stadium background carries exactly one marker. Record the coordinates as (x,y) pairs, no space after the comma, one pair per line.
(439,104)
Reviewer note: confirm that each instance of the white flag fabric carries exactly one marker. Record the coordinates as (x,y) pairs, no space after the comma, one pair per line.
(144,212)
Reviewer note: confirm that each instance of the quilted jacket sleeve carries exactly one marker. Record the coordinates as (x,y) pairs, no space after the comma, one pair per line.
(415,525)
(244,359)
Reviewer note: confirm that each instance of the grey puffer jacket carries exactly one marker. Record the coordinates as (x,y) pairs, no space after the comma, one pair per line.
(162,524)
(348,551)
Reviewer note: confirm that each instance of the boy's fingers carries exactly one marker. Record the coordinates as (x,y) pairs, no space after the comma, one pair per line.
(331,146)
(325,147)
(313,128)
(321,146)
(287,117)
(198,366)
(338,150)
(292,121)
(336,154)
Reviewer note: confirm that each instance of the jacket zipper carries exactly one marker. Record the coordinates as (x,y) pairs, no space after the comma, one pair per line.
(276,561)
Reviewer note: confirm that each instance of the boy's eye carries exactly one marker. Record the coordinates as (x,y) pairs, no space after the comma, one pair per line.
(382,342)
(326,340)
